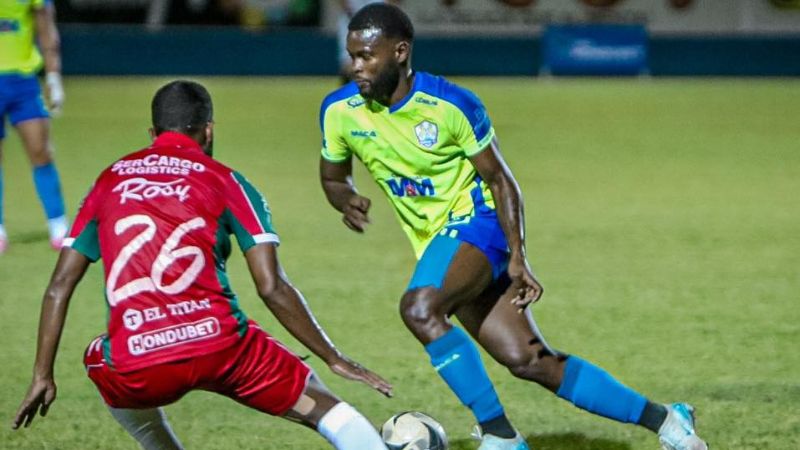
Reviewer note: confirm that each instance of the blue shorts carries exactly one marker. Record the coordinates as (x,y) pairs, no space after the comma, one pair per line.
(482,230)
(20,99)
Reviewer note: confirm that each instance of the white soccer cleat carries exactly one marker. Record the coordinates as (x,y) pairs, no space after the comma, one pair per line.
(677,431)
(492,442)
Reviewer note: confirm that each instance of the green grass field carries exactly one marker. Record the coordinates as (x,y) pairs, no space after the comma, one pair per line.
(663,219)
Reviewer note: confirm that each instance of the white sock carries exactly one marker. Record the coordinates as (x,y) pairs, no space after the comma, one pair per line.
(2,231)
(347,429)
(58,227)
(149,427)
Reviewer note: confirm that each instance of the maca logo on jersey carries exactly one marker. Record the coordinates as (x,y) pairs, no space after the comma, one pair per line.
(9,26)
(406,187)
(427,133)
(363,133)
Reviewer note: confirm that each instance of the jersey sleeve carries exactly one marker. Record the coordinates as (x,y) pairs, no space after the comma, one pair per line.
(334,147)
(249,217)
(82,236)
(471,127)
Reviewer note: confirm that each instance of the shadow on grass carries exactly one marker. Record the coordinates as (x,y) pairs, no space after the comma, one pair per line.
(29,237)
(555,441)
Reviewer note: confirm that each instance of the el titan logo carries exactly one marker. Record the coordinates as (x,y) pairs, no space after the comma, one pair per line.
(406,187)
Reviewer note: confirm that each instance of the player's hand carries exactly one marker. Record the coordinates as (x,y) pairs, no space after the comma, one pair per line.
(55,92)
(524,284)
(355,213)
(352,370)
(40,396)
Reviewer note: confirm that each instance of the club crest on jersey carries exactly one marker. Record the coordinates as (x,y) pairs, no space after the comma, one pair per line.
(427,133)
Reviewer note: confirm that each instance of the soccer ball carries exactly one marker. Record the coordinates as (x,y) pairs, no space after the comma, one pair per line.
(412,430)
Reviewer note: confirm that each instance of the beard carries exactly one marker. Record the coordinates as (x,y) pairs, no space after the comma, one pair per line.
(384,85)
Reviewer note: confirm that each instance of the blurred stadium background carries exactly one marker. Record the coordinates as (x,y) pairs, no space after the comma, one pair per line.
(662,195)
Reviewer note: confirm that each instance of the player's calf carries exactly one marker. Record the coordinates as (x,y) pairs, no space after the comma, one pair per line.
(338,422)
(148,426)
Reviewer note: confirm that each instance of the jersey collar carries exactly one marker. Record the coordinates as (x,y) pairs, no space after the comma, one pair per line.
(178,140)
(414,85)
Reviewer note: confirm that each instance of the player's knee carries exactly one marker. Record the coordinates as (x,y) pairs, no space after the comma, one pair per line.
(419,310)
(519,362)
(530,364)
(41,155)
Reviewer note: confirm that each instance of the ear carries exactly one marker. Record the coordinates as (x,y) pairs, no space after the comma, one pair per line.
(152,133)
(402,52)
(209,131)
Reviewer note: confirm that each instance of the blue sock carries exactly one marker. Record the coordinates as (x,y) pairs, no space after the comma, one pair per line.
(593,389)
(457,360)
(48,186)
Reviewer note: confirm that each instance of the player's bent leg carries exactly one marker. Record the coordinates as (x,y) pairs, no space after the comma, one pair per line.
(338,422)
(515,341)
(449,273)
(148,426)
(35,138)
(512,339)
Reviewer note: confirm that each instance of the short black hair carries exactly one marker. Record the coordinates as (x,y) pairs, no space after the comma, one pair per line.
(183,106)
(390,19)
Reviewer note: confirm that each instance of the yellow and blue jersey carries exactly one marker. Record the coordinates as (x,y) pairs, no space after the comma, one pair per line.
(416,150)
(18,51)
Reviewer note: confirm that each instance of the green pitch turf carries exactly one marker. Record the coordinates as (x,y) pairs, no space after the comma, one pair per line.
(663,219)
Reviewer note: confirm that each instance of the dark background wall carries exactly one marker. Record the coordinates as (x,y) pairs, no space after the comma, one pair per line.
(133,50)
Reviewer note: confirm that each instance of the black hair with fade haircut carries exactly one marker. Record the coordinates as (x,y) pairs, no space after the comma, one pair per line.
(183,106)
(390,19)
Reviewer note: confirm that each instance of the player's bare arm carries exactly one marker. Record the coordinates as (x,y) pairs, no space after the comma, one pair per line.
(337,182)
(291,310)
(510,210)
(50,46)
(42,392)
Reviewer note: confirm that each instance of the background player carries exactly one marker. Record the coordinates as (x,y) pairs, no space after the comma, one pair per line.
(160,219)
(21,25)
(430,146)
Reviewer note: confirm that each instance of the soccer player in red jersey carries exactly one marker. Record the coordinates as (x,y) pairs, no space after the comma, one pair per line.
(160,219)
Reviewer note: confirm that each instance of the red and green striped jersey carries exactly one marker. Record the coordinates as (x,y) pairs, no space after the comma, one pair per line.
(161,220)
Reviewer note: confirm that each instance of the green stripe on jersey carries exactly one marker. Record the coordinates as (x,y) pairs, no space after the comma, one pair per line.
(87,243)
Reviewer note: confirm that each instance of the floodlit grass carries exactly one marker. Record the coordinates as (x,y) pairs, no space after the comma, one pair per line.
(663,219)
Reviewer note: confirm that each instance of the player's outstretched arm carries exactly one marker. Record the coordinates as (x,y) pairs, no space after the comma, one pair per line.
(508,200)
(291,310)
(337,182)
(42,392)
(50,45)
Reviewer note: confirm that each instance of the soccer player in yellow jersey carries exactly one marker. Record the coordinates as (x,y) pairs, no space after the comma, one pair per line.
(431,147)
(22,24)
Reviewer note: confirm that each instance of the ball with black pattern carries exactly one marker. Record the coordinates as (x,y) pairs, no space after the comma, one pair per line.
(413,430)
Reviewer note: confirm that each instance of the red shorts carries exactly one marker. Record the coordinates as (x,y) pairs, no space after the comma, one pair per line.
(257,371)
